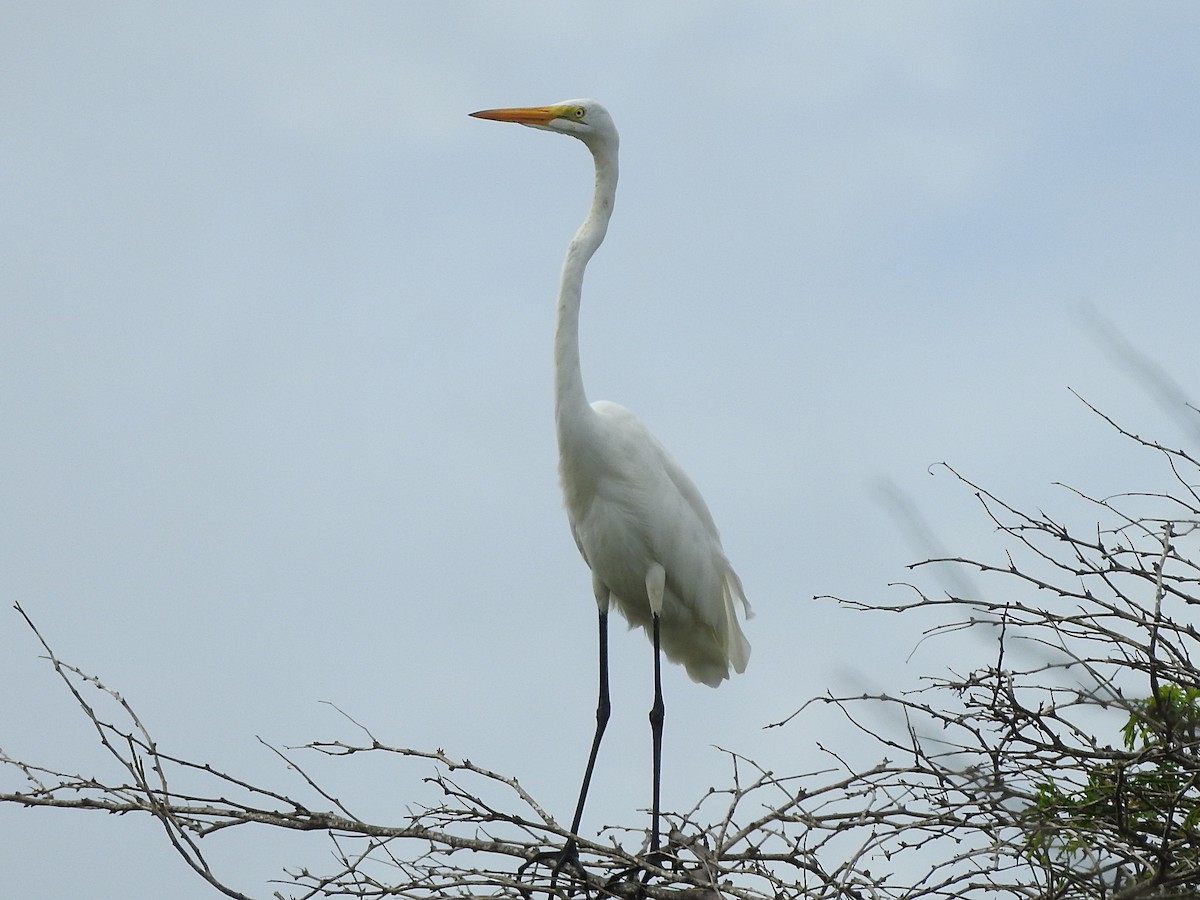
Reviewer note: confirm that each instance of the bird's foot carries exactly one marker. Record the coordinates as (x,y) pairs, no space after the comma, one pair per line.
(629,882)
(560,862)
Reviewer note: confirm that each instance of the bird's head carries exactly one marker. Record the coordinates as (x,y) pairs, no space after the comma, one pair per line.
(583,119)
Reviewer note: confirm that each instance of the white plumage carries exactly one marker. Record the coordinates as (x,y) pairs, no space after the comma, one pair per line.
(641,525)
(633,508)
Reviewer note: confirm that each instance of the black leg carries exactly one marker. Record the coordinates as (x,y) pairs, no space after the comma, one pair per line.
(656,732)
(603,708)
(569,857)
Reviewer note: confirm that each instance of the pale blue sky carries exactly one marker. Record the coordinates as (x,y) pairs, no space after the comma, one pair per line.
(274,360)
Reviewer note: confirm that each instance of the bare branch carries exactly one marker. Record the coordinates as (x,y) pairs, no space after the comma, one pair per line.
(1064,764)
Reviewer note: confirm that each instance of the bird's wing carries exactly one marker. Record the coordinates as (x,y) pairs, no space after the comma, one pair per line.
(645,511)
(639,441)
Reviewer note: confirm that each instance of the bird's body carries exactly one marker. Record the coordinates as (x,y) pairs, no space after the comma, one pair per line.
(632,510)
(639,521)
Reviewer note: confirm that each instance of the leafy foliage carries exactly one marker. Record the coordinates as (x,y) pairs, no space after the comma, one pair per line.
(1145,798)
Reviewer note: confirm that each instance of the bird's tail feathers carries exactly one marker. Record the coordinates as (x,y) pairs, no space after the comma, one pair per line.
(736,645)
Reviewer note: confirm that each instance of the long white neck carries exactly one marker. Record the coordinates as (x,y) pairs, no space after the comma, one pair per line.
(571,409)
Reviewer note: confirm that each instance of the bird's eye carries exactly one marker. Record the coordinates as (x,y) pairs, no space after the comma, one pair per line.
(579,112)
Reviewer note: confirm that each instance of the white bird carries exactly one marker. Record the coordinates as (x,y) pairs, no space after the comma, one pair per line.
(638,520)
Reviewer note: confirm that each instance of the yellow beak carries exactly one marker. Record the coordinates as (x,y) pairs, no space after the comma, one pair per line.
(523,115)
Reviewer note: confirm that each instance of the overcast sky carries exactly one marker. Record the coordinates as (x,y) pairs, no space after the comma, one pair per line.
(275,363)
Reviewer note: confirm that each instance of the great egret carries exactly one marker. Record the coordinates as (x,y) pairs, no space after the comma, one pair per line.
(641,525)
